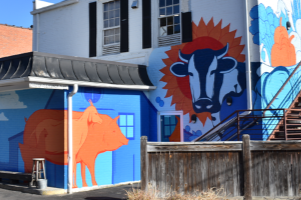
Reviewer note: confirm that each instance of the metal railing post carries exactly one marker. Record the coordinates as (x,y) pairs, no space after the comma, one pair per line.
(284,124)
(238,131)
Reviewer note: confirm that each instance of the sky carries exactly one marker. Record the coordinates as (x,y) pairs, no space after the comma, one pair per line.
(17,12)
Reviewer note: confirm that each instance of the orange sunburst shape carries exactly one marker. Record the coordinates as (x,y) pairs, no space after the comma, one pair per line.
(204,36)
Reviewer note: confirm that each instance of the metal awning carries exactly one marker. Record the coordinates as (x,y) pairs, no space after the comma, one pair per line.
(43,70)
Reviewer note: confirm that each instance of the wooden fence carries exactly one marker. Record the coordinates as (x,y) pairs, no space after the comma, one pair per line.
(247,168)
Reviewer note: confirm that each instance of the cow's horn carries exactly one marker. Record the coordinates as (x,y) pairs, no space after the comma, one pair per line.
(222,52)
(183,57)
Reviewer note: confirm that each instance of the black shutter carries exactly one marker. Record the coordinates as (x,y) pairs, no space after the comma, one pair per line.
(146,24)
(124,26)
(186,27)
(92,29)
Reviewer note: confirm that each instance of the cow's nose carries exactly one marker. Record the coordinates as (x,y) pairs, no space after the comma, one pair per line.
(203,104)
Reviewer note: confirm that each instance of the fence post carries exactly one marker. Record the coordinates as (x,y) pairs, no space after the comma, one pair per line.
(247,167)
(144,162)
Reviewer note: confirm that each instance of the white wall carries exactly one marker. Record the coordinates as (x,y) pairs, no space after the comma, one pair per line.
(66,30)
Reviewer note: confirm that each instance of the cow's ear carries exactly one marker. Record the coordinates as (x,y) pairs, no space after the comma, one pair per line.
(226,64)
(179,69)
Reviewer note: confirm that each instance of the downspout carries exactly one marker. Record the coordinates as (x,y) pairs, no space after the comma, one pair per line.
(70,138)
(248,65)
(38,32)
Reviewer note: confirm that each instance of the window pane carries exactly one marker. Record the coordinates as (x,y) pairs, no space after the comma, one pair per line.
(172,120)
(166,120)
(168,10)
(106,23)
(111,5)
(106,40)
(117,13)
(117,38)
(169,20)
(162,12)
(176,19)
(162,3)
(130,120)
(166,131)
(122,120)
(177,28)
(176,9)
(106,7)
(175,1)
(168,2)
(130,132)
(106,33)
(112,39)
(169,30)
(112,22)
(123,130)
(117,30)
(112,32)
(117,21)
(117,4)
(105,15)
(163,31)
(111,15)
(162,22)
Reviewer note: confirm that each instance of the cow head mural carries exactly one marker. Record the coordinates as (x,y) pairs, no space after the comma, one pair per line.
(206,69)
(201,74)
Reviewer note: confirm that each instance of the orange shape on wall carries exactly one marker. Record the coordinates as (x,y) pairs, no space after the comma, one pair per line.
(204,36)
(283,51)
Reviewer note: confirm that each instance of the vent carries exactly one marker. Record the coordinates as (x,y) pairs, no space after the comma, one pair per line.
(169,40)
(111,49)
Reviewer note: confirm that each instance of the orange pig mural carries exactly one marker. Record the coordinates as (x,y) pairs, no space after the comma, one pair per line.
(45,135)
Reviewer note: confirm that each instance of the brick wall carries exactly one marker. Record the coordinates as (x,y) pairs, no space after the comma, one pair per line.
(14,40)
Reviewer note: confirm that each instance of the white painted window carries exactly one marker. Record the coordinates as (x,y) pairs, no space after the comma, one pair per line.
(169,22)
(111,27)
(170,124)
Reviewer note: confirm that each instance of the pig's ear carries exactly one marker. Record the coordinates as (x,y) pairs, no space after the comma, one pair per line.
(91,103)
(116,118)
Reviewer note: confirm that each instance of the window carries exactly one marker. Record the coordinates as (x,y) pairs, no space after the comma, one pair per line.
(126,124)
(170,126)
(169,11)
(111,26)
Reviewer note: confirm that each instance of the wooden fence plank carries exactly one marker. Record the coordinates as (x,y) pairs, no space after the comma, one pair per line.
(189,168)
(247,168)
(230,182)
(289,161)
(181,173)
(204,172)
(299,171)
(144,162)
(167,173)
(266,146)
(285,173)
(158,172)
(171,171)
(153,167)
(266,189)
(191,148)
(272,174)
(186,174)
(176,171)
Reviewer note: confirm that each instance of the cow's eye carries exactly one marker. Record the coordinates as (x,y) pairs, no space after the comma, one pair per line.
(212,72)
(190,74)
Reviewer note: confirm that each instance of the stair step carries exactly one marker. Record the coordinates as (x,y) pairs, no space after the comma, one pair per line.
(289,124)
(293,138)
(293,129)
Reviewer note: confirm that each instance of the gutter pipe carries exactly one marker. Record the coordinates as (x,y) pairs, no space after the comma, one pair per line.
(248,65)
(70,138)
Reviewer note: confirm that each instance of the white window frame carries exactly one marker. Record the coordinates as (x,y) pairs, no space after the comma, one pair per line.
(104,46)
(157,14)
(159,114)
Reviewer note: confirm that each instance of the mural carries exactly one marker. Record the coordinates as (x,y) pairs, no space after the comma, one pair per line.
(200,75)
(44,137)
(280,52)
(106,138)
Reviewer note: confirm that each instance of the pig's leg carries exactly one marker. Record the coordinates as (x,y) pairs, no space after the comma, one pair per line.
(91,167)
(74,173)
(83,172)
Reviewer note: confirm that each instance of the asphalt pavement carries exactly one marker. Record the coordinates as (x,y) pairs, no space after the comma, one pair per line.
(112,193)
